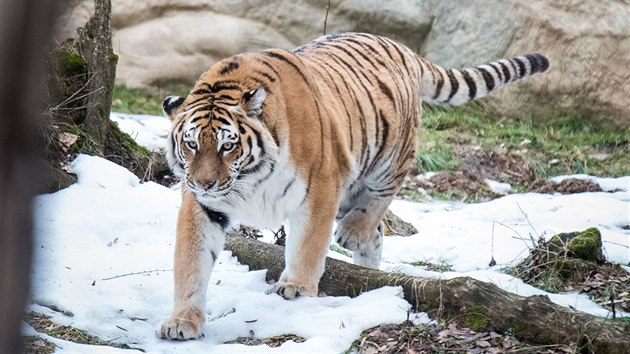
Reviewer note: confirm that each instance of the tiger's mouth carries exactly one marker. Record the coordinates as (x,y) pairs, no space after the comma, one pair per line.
(216,193)
(211,196)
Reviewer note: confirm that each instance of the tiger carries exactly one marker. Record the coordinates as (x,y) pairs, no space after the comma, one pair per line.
(319,135)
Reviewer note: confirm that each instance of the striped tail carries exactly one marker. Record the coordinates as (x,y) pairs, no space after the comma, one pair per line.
(458,86)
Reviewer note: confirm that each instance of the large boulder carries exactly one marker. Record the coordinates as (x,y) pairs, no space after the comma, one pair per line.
(588,44)
(178,47)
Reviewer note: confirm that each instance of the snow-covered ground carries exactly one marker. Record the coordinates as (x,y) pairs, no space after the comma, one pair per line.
(104,252)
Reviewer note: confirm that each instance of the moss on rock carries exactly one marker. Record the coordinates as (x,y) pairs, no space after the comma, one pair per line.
(586,245)
(563,261)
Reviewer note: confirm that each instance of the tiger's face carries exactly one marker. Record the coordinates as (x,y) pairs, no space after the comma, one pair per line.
(215,142)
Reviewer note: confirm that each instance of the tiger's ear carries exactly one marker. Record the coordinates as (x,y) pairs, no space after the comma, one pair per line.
(253,102)
(170,104)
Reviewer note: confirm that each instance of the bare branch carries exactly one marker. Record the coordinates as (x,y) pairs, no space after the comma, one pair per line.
(326,18)
(137,273)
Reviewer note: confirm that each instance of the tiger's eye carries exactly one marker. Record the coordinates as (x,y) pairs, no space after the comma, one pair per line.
(228,146)
(191,145)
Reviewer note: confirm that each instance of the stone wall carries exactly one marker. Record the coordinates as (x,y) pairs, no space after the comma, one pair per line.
(587,42)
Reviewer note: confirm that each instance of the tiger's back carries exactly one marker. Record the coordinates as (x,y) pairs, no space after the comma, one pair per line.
(321,134)
(377,86)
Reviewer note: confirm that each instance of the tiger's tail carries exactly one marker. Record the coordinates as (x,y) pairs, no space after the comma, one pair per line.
(458,86)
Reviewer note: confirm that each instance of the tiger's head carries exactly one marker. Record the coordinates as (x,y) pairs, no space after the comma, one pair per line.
(218,139)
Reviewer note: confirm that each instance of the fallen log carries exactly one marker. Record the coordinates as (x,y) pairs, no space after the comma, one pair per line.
(469,302)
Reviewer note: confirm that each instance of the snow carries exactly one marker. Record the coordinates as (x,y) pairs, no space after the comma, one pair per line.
(498,187)
(149,131)
(104,252)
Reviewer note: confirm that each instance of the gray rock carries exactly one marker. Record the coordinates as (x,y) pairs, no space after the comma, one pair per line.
(588,43)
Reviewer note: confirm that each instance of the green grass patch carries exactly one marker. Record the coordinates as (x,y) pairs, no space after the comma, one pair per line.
(336,248)
(435,158)
(144,101)
(440,267)
(567,145)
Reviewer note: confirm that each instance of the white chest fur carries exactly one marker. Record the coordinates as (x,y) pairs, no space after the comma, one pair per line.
(272,197)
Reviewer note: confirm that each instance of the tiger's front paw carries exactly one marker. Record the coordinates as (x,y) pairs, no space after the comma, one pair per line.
(186,325)
(289,290)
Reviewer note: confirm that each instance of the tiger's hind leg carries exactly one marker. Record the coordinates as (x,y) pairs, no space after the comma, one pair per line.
(360,229)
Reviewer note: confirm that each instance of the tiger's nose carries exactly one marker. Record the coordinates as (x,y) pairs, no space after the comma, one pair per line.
(205,185)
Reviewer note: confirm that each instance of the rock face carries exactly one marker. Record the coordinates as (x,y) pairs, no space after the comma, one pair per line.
(588,43)
(182,45)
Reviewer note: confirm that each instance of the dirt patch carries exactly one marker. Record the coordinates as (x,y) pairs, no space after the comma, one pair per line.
(567,186)
(273,342)
(468,183)
(407,338)
(453,185)
(44,324)
(496,165)
(36,345)
(393,225)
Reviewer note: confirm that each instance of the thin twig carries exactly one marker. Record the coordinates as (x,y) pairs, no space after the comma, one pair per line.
(529,222)
(137,273)
(480,336)
(493,262)
(616,244)
(513,230)
(326,18)
(73,96)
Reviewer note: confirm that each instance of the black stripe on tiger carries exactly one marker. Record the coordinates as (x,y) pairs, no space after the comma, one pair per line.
(286,60)
(521,67)
(472,86)
(272,168)
(538,62)
(286,189)
(325,66)
(225,85)
(376,53)
(506,72)
(216,216)
(487,78)
(385,135)
(356,101)
(358,51)
(496,70)
(454,84)
(516,75)
(231,66)
(440,82)
(397,48)
(268,65)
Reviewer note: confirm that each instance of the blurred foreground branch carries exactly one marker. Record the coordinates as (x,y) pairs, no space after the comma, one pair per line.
(24,29)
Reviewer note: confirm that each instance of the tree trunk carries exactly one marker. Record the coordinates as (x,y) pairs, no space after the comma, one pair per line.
(24,29)
(473,303)
(80,85)
(95,47)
